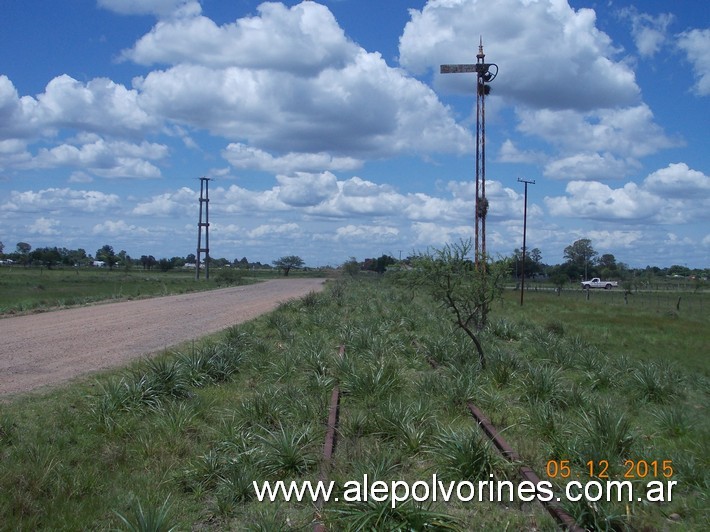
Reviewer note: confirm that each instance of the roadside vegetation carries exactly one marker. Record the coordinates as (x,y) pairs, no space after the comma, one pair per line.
(177,440)
(35,289)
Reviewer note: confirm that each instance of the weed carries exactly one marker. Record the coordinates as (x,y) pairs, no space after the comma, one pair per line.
(372,382)
(502,367)
(463,385)
(378,463)
(590,359)
(606,433)
(7,430)
(409,424)
(236,410)
(175,417)
(462,455)
(311,300)
(235,485)
(287,451)
(356,423)
(654,383)
(208,468)
(555,327)
(148,519)
(209,364)
(165,378)
(545,419)
(505,330)
(602,377)
(371,515)
(673,421)
(281,324)
(261,409)
(543,384)
(598,516)
(692,469)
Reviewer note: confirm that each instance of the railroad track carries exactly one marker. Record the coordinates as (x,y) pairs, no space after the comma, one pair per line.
(564,520)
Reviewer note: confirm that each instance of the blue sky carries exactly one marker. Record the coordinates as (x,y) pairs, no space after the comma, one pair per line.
(329,133)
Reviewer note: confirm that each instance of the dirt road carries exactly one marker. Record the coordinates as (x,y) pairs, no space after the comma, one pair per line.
(54,347)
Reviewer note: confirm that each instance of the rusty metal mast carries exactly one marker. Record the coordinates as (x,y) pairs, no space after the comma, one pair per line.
(485,73)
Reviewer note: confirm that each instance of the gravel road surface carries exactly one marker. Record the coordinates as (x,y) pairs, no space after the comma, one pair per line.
(53,347)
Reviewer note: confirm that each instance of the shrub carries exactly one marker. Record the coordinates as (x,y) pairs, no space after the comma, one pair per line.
(230,276)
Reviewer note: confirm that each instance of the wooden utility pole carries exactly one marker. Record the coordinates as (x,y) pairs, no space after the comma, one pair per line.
(485,73)
(525,228)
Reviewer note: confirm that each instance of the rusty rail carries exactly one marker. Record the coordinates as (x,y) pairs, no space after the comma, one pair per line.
(328,448)
(564,519)
(554,509)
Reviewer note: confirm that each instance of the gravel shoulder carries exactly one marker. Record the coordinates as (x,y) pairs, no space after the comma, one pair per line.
(50,348)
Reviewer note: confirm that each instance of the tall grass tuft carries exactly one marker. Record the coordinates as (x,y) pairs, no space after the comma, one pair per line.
(544,419)
(408,424)
(165,378)
(261,409)
(598,516)
(606,433)
(373,381)
(462,455)
(673,421)
(8,429)
(463,385)
(503,367)
(148,519)
(209,364)
(372,515)
(543,384)
(506,330)
(655,383)
(287,451)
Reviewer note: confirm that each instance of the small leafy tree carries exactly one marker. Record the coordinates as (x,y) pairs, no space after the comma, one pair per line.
(148,261)
(23,248)
(451,278)
(288,262)
(351,267)
(580,256)
(165,265)
(46,256)
(108,255)
(23,252)
(379,264)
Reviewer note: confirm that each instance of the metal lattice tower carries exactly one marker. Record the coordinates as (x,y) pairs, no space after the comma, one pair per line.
(204,225)
(485,73)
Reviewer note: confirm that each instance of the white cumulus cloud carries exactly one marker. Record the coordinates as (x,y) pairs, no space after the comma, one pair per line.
(696,44)
(551,55)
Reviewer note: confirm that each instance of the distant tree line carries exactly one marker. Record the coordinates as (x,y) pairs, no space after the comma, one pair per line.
(53,257)
(581,262)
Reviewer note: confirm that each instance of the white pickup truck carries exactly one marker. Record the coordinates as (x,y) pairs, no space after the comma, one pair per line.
(598,283)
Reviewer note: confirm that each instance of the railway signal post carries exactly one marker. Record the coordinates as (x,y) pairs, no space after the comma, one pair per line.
(485,73)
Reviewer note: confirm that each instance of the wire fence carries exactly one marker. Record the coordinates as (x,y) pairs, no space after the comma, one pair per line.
(663,299)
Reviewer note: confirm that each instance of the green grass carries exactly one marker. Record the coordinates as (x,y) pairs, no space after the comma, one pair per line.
(177,441)
(32,289)
(648,328)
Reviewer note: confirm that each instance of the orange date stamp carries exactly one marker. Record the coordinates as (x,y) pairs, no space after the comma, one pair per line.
(632,469)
